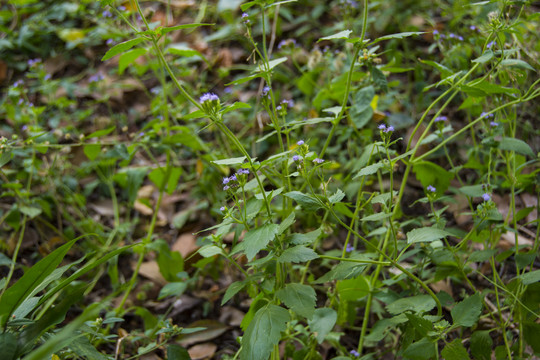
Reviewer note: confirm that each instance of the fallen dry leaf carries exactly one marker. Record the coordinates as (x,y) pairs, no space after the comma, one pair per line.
(150,270)
(185,244)
(213,330)
(202,351)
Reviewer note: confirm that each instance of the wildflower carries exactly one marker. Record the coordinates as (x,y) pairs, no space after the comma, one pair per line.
(318,161)
(226,180)
(33,62)
(109,42)
(24,128)
(18,83)
(233,178)
(300,143)
(106,14)
(486,197)
(47,77)
(431,188)
(460,38)
(354,353)
(435,32)
(141,134)
(349,249)
(389,129)
(242,172)
(485,114)
(96,78)
(226,187)
(121,8)
(278,107)
(490,44)
(245,18)
(208,97)
(296,158)
(223,208)
(265,90)
(441,118)
(20,102)
(381,127)
(472,27)
(452,35)
(494,124)
(227,90)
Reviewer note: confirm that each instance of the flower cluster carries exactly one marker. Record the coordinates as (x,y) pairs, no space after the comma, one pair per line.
(33,62)
(289,43)
(208,97)
(210,103)
(431,188)
(385,129)
(96,78)
(349,248)
(441,118)
(107,14)
(486,197)
(235,180)
(245,17)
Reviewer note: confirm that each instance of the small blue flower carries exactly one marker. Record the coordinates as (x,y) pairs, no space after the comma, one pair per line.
(33,62)
(318,161)
(460,38)
(296,158)
(226,180)
(233,178)
(223,208)
(472,27)
(494,124)
(381,127)
(208,97)
(431,188)
(265,90)
(300,143)
(354,353)
(47,77)
(226,187)
(349,248)
(435,32)
(121,8)
(486,197)
(20,102)
(389,129)
(109,42)
(490,44)
(245,18)
(452,35)
(441,118)
(106,14)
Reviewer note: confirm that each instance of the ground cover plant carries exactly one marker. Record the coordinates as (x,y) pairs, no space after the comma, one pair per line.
(269,180)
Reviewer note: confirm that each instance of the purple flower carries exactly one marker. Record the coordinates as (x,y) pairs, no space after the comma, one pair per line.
(33,62)
(226,187)
(96,78)
(486,197)
(494,124)
(452,35)
(106,14)
(47,77)
(290,103)
(472,27)
(490,44)
(435,32)
(354,353)
(141,134)
(208,97)
(349,249)
(431,188)
(24,128)
(20,102)
(245,18)
(222,208)
(121,8)
(18,83)
(265,90)
(233,178)
(460,38)
(441,118)
(300,143)
(278,107)
(296,158)
(109,42)
(318,161)
(389,129)
(226,180)
(227,90)
(381,127)
(242,172)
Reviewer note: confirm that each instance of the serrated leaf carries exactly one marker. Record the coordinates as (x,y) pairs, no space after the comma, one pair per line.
(482,255)
(257,239)
(337,197)
(517,145)
(467,312)
(297,254)
(421,325)
(417,304)
(429,173)
(230,161)
(369,170)
(264,331)
(379,79)
(299,298)
(455,351)
(530,277)
(120,48)
(397,36)
(232,290)
(322,323)
(308,202)
(340,35)
(426,234)
(481,344)
(520,64)
(285,224)
(307,238)
(420,350)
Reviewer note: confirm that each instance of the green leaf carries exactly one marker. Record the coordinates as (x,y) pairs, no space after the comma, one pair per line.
(8,344)
(472,190)
(336,197)
(84,349)
(340,35)
(272,64)
(481,344)
(344,270)
(17,293)
(307,238)
(92,151)
(232,290)
(417,304)
(120,48)
(257,239)
(5,157)
(379,79)
(369,170)
(172,289)
(322,323)
(183,26)
(420,350)
(353,289)
(432,174)
(230,161)
(30,211)
(299,298)
(420,324)
(308,202)
(361,110)
(530,277)
(397,36)
(481,255)
(376,217)
(129,58)
(210,250)
(101,133)
(235,106)
(426,234)
(488,55)
(285,224)
(455,351)
(467,312)
(517,145)
(157,176)
(515,63)
(176,352)
(263,332)
(297,254)
(445,72)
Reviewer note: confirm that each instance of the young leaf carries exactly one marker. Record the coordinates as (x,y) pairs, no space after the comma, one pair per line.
(264,331)
(467,312)
(257,239)
(297,254)
(299,298)
(340,35)
(120,48)
(426,234)
(16,294)
(455,351)
(322,323)
(232,290)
